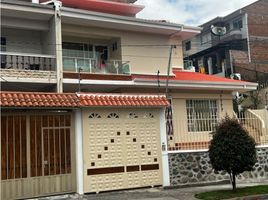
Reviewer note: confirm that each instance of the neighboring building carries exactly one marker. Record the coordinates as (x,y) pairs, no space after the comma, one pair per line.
(243,49)
(82,104)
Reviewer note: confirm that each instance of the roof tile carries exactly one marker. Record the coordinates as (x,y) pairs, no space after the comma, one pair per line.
(26,99)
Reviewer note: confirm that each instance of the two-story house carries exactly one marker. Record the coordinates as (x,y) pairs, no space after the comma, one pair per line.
(242,49)
(84,91)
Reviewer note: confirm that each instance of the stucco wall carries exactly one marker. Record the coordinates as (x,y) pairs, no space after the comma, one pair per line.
(181,134)
(23,41)
(195,167)
(147,53)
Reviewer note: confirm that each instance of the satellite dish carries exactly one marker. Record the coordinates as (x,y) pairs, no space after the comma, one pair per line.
(235,76)
(217,30)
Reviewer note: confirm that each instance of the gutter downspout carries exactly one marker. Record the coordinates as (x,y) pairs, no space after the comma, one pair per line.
(168,69)
(249,56)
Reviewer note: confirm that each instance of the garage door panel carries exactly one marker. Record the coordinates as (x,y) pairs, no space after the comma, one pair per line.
(121,140)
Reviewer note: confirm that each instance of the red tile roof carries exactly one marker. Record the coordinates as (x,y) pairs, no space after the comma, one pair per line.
(190,76)
(193,76)
(35,99)
(122,100)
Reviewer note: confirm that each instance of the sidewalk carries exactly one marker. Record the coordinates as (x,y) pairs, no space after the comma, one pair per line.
(149,193)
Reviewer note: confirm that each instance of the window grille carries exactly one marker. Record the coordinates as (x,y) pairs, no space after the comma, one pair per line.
(113,115)
(202,115)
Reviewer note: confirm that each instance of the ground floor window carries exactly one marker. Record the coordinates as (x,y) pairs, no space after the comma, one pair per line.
(202,115)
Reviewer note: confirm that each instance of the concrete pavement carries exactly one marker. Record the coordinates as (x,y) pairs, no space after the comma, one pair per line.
(149,193)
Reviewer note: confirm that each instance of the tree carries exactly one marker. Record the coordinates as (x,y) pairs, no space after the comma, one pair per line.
(232,149)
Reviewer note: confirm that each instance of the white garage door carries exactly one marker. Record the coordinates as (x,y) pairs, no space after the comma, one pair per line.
(121,149)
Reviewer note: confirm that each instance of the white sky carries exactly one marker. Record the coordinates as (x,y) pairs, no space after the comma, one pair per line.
(189,12)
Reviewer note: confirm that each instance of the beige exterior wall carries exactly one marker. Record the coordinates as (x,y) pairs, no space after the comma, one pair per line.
(181,133)
(147,53)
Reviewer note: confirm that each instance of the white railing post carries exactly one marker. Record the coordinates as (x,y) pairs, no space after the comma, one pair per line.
(164,148)
(79,151)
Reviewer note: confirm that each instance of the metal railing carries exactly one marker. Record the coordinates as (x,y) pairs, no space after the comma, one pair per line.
(186,138)
(90,65)
(254,125)
(26,61)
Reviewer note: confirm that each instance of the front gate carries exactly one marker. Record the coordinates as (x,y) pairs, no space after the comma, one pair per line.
(35,155)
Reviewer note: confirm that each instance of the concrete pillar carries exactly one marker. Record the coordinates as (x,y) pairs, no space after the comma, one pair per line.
(59,64)
(164,146)
(210,67)
(79,152)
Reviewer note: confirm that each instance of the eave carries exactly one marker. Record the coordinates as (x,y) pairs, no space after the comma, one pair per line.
(90,18)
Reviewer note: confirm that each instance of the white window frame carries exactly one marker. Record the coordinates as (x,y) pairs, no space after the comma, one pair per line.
(199,121)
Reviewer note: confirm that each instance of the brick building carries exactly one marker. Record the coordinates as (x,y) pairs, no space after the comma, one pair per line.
(243,49)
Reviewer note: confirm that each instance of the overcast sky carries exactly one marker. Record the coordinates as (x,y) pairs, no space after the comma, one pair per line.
(189,12)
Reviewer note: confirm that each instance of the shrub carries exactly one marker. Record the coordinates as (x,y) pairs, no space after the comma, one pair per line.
(232,149)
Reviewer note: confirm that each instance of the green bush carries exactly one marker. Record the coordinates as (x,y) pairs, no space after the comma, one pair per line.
(232,149)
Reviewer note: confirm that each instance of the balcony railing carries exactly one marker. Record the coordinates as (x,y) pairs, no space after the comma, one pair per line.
(71,64)
(234,34)
(25,61)
(24,65)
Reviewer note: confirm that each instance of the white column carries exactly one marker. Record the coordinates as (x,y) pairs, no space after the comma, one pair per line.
(79,151)
(163,138)
(58,38)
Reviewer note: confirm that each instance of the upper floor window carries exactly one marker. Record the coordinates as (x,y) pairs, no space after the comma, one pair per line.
(237,24)
(206,38)
(227,26)
(3,43)
(202,115)
(85,57)
(188,46)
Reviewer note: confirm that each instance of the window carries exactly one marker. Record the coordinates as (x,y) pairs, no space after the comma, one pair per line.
(238,24)
(3,49)
(202,115)
(227,26)
(188,46)
(206,38)
(77,55)
(3,44)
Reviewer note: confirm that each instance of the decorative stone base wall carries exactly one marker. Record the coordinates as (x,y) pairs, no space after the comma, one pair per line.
(195,168)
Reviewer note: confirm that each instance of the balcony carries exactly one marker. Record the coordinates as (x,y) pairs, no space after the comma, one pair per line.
(88,65)
(21,66)
(234,34)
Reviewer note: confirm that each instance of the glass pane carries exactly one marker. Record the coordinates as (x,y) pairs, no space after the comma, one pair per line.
(83,64)
(69,64)
(89,51)
(73,49)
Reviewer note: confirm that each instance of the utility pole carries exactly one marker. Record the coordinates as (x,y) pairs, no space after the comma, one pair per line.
(168,68)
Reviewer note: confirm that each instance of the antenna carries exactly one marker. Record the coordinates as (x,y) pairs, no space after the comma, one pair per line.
(218,30)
